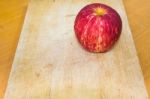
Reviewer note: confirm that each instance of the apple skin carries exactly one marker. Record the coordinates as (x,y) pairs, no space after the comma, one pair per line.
(97,27)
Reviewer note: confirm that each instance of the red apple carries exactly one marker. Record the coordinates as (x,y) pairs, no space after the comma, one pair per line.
(97,27)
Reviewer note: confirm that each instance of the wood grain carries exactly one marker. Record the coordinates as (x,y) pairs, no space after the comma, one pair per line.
(11,18)
(53,69)
(12,21)
(140,23)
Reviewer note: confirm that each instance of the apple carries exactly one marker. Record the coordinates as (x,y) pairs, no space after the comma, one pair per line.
(97,27)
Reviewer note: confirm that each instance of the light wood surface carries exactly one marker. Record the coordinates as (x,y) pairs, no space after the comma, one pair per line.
(138,14)
(11,19)
(50,63)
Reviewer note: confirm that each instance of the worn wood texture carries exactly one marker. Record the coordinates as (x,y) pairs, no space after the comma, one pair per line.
(49,62)
(11,19)
(140,22)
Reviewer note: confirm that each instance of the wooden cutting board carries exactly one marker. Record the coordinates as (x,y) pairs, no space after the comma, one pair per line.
(50,64)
